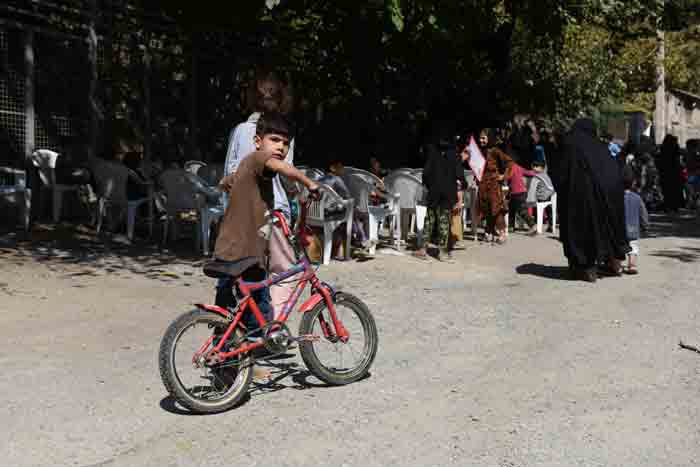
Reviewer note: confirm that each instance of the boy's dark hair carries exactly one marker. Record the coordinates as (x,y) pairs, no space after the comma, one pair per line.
(629,179)
(274,122)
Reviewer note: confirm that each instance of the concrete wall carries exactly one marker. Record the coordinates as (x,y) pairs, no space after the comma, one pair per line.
(682,117)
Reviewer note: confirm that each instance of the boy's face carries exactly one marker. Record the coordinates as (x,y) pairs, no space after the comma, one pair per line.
(274,143)
(537,168)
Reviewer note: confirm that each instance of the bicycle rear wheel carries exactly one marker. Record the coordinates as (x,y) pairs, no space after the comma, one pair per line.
(197,386)
(328,358)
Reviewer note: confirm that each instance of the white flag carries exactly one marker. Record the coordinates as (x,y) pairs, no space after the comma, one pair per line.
(476,159)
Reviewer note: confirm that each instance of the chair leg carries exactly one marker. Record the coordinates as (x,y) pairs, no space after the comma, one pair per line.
(57,204)
(166,226)
(327,243)
(540,217)
(26,215)
(205,226)
(100,214)
(421,212)
(348,237)
(553,218)
(130,221)
(373,233)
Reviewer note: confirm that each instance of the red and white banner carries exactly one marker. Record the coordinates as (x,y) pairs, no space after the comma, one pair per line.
(477,162)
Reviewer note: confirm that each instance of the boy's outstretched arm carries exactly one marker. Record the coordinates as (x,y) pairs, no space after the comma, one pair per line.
(291,172)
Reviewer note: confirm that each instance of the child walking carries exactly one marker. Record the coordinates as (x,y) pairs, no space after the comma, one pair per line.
(636,220)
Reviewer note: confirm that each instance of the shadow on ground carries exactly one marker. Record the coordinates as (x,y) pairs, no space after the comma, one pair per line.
(683,254)
(541,270)
(64,248)
(282,375)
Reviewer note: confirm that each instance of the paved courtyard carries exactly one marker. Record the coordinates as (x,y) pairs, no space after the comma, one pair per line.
(497,360)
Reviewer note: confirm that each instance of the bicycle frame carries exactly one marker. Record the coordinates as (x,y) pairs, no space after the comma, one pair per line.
(303,267)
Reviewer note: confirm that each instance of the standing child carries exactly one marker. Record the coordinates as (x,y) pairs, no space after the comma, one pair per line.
(636,220)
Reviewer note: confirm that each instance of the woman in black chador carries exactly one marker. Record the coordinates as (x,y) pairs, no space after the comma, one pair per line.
(592,203)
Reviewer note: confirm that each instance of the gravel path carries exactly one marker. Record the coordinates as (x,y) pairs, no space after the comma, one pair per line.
(494,361)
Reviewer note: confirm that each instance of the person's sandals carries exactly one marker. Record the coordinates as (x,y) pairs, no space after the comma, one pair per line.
(632,271)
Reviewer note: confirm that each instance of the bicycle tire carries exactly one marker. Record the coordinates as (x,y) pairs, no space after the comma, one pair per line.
(169,374)
(310,357)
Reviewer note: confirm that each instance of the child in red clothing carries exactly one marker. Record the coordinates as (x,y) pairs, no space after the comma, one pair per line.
(518,196)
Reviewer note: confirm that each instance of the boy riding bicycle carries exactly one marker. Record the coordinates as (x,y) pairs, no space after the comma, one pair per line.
(245,228)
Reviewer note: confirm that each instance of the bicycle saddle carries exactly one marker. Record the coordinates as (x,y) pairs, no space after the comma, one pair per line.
(219,269)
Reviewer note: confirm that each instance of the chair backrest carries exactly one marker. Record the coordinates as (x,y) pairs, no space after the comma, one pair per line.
(180,192)
(407,186)
(366,175)
(360,188)
(111,179)
(211,174)
(45,161)
(194,166)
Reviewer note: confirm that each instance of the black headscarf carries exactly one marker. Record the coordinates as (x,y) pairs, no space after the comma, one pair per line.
(591,199)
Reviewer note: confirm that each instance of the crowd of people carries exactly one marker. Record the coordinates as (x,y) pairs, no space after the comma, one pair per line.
(604,189)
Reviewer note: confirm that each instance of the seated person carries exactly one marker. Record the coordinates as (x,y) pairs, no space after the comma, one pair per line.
(245,227)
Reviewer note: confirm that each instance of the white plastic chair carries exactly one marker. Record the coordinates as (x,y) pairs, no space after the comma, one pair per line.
(186,193)
(410,191)
(13,182)
(194,166)
(540,206)
(318,216)
(360,190)
(392,201)
(45,161)
(111,179)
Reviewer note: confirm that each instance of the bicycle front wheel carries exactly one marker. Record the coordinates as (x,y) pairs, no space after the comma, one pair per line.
(196,385)
(328,358)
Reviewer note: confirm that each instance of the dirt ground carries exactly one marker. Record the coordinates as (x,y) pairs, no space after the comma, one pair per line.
(497,360)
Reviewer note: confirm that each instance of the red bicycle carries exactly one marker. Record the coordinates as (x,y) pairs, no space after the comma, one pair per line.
(206,355)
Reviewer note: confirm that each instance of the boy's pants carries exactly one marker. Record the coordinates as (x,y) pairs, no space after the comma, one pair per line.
(225,297)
